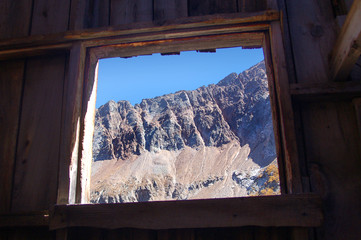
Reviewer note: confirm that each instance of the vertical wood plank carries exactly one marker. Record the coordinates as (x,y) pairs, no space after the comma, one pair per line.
(333,154)
(289,140)
(313,37)
(37,155)
(185,234)
(50,16)
(100,12)
(207,7)
(251,5)
(69,146)
(79,14)
(357,105)
(170,9)
(35,233)
(15,18)
(123,11)
(11,84)
(276,121)
(299,233)
(87,130)
(142,234)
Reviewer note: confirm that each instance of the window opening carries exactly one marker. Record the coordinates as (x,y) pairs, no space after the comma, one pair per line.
(206,135)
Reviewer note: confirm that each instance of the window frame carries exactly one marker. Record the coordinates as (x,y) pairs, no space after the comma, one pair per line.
(199,33)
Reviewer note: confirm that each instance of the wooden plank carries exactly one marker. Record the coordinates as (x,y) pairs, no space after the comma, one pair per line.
(11,25)
(34,51)
(356,71)
(26,233)
(276,118)
(208,7)
(170,9)
(242,20)
(357,104)
(11,85)
(29,219)
(70,133)
(124,11)
(347,49)
(325,91)
(87,129)
(252,5)
(287,210)
(333,155)
(182,34)
(79,17)
(289,141)
(313,34)
(281,4)
(50,16)
(182,44)
(36,170)
(101,13)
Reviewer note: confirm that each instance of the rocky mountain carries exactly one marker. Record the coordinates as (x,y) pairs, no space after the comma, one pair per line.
(215,141)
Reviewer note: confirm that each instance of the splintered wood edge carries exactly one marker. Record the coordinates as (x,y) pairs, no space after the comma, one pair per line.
(302,210)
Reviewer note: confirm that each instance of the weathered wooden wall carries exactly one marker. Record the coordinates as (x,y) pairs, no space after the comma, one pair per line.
(31,111)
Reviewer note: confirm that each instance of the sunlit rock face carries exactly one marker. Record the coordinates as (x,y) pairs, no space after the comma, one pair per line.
(215,141)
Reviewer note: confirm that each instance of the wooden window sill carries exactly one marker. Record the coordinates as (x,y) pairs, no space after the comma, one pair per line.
(303,210)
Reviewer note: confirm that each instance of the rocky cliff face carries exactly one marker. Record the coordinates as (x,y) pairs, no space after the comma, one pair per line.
(215,141)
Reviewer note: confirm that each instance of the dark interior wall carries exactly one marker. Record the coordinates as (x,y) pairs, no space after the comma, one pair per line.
(31,100)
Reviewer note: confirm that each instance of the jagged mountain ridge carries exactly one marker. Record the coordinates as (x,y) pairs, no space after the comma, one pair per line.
(232,116)
(237,108)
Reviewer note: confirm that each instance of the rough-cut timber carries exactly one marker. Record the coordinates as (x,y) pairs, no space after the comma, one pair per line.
(11,85)
(347,49)
(277,211)
(37,153)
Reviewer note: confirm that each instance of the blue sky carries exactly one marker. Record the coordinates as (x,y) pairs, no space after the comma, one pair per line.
(141,77)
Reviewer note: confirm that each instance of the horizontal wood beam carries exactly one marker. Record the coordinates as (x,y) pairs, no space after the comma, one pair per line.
(328,90)
(253,40)
(276,211)
(347,49)
(30,219)
(184,27)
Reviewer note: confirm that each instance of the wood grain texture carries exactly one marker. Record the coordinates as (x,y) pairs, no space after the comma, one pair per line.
(79,17)
(100,13)
(124,11)
(287,124)
(276,121)
(287,210)
(28,219)
(11,85)
(37,155)
(70,132)
(170,9)
(332,149)
(181,44)
(347,49)
(326,91)
(313,33)
(208,7)
(251,5)
(15,18)
(50,16)
(246,21)
(87,129)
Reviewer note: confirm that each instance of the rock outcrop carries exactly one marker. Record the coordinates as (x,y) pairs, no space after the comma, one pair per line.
(190,144)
